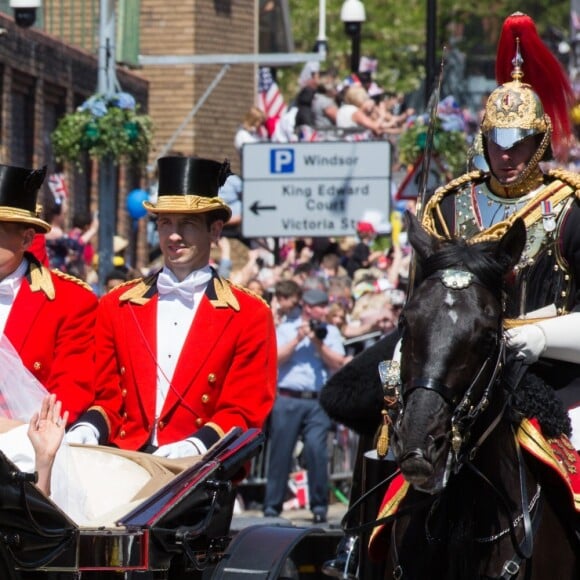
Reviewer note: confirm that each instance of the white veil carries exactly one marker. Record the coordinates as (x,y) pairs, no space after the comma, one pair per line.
(20,393)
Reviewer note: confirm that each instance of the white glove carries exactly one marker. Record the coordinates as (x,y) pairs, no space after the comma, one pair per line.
(557,338)
(528,340)
(84,434)
(184,448)
(562,337)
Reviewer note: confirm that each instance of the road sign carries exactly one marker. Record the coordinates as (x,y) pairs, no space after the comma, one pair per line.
(314,189)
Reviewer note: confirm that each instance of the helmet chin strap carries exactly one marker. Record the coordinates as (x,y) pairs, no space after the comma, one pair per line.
(529,179)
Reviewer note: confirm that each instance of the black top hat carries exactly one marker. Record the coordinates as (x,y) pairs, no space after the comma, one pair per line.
(190,185)
(18,193)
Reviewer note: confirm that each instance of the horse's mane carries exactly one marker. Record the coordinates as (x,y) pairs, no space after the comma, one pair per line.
(533,398)
(479,259)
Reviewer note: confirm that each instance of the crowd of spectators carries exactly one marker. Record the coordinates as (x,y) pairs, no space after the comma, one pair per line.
(326,108)
(365,277)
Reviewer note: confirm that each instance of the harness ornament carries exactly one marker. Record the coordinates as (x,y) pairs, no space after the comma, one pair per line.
(456,279)
(390,374)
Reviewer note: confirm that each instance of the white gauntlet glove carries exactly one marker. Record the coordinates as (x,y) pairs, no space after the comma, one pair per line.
(557,338)
(83,434)
(184,448)
(528,341)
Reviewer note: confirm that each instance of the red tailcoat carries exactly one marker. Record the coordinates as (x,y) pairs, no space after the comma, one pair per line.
(51,325)
(225,376)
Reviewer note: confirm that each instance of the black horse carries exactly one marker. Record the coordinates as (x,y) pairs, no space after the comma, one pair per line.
(478,505)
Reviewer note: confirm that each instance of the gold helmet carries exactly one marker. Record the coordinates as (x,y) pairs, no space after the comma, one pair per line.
(514,111)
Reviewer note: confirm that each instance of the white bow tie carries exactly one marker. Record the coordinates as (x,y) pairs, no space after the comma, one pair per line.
(185,290)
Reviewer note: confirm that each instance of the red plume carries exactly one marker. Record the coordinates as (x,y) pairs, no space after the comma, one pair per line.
(542,70)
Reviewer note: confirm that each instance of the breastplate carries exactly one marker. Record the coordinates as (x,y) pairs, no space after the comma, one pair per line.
(541,275)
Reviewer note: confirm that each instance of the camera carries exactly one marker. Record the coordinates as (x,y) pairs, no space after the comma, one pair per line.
(319,328)
(25,11)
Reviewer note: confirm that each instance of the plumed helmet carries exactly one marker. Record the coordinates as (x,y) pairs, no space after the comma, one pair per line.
(514,111)
(534,95)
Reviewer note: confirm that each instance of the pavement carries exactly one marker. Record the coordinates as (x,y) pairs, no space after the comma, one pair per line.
(301,518)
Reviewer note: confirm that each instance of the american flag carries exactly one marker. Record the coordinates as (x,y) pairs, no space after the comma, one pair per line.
(270,99)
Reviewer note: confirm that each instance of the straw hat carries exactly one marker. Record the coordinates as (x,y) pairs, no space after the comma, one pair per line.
(18,193)
(190,185)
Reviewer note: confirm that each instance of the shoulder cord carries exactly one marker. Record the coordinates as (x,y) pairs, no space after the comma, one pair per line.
(160,370)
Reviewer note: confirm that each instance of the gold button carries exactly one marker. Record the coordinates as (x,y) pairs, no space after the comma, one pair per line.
(37,366)
(205,398)
(122,434)
(123,392)
(211,378)
(160,425)
(199,421)
(122,370)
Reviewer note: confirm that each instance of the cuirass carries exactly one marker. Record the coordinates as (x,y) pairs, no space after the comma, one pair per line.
(542,276)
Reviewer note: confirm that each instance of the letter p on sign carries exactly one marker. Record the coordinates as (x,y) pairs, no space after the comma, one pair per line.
(282,161)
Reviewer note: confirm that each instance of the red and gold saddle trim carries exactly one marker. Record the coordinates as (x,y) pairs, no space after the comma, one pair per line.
(558,454)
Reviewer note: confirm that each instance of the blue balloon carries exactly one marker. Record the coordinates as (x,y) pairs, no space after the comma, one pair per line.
(135,201)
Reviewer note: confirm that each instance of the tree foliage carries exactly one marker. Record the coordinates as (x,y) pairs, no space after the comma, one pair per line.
(395,34)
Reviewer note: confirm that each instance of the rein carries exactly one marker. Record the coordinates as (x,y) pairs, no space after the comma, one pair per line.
(465,412)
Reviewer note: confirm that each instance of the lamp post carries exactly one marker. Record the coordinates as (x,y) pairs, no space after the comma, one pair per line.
(353,15)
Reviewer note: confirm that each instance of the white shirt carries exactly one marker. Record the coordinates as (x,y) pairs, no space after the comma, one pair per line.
(174,319)
(13,280)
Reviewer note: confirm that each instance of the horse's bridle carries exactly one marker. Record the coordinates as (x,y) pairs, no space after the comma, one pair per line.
(465,410)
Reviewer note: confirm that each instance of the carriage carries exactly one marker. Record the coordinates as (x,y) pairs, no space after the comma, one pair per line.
(180,531)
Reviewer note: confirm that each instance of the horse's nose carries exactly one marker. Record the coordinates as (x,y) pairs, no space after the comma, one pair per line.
(415,466)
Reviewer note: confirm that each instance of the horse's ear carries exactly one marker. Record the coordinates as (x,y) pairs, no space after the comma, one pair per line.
(422,242)
(512,244)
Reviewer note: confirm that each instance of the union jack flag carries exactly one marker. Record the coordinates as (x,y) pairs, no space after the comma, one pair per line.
(270,99)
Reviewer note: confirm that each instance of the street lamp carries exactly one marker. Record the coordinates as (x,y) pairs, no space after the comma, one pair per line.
(353,15)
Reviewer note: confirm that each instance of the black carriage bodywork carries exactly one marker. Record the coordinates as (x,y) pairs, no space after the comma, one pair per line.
(185,524)
(181,532)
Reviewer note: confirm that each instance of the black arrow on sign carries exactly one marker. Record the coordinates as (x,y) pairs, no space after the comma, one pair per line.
(256,207)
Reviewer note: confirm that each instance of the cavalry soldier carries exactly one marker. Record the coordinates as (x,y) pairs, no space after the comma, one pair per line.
(184,355)
(47,316)
(524,119)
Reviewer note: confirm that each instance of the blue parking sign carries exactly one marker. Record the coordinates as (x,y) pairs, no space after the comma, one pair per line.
(282,161)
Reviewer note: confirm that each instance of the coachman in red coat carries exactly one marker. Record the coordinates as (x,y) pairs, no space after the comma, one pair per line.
(48,316)
(184,355)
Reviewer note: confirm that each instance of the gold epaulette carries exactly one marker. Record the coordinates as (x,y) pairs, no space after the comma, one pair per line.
(71,278)
(224,295)
(459,181)
(140,293)
(39,278)
(432,206)
(568,177)
(248,292)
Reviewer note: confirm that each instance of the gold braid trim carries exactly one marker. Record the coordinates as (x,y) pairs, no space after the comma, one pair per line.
(432,211)
(568,177)
(39,278)
(74,279)
(556,192)
(224,296)
(221,433)
(136,295)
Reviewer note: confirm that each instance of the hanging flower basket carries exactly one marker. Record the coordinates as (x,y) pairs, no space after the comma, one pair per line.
(104,126)
(449,139)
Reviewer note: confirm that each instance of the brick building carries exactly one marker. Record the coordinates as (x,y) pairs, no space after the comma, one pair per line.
(52,77)
(41,78)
